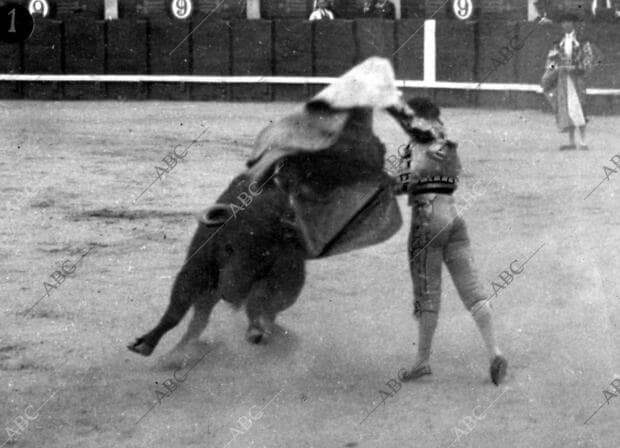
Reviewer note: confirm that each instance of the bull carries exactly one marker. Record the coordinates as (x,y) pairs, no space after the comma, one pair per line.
(314,187)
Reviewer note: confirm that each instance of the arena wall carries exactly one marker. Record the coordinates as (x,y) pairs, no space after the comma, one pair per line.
(299,9)
(465,52)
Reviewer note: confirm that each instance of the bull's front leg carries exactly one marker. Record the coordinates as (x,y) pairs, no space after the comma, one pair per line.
(275,292)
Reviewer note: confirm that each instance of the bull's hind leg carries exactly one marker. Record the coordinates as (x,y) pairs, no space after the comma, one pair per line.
(188,287)
(273,294)
(200,319)
(259,325)
(189,348)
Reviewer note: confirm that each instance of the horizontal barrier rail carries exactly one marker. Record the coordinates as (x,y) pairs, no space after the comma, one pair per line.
(280,80)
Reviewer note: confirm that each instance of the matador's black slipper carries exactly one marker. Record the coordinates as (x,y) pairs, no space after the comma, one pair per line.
(415,373)
(567,147)
(498,369)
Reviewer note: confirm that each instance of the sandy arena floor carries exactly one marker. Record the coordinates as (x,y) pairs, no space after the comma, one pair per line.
(71,172)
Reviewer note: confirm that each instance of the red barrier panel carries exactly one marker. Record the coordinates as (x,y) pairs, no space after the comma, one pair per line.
(293,56)
(84,54)
(456,51)
(334,46)
(455,60)
(169,54)
(498,45)
(251,50)
(10,62)
(211,56)
(535,41)
(614,105)
(126,54)
(374,37)
(43,54)
(409,48)
(606,37)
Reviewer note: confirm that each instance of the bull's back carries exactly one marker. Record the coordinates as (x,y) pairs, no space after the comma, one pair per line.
(249,236)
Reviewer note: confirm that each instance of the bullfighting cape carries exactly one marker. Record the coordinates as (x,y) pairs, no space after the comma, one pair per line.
(329,162)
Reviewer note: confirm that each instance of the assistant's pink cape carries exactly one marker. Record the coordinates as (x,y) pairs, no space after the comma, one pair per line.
(329,162)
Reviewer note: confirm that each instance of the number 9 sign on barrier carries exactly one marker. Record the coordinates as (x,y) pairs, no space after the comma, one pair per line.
(181,9)
(39,7)
(463,9)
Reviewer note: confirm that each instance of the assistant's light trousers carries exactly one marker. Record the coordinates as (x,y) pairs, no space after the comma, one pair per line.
(439,235)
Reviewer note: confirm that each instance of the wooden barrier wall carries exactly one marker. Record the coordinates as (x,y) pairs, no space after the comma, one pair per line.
(211,55)
(169,53)
(126,54)
(84,53)
(252,55)
(486,51)
(43,53)
(293,50)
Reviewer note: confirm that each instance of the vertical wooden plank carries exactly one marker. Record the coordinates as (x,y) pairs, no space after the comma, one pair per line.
(535,41)
(169,54)
(456,61)
(252,55)
(496,60)
(126,54)
(84,54)
(43,54)
(605,36)
(293,56)
(409,48)
(456,51)
(334,45)
(11,62)
(374,37)
(211,56)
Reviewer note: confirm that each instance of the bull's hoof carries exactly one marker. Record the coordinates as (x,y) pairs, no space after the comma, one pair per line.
(254,335)
(141,347)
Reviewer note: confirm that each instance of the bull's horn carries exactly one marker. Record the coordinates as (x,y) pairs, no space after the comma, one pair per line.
(215,215)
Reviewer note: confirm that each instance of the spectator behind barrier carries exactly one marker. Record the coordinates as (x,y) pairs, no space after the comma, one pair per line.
(605,10)
(596,10)
(321,11)
(545,10)
(382,9)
